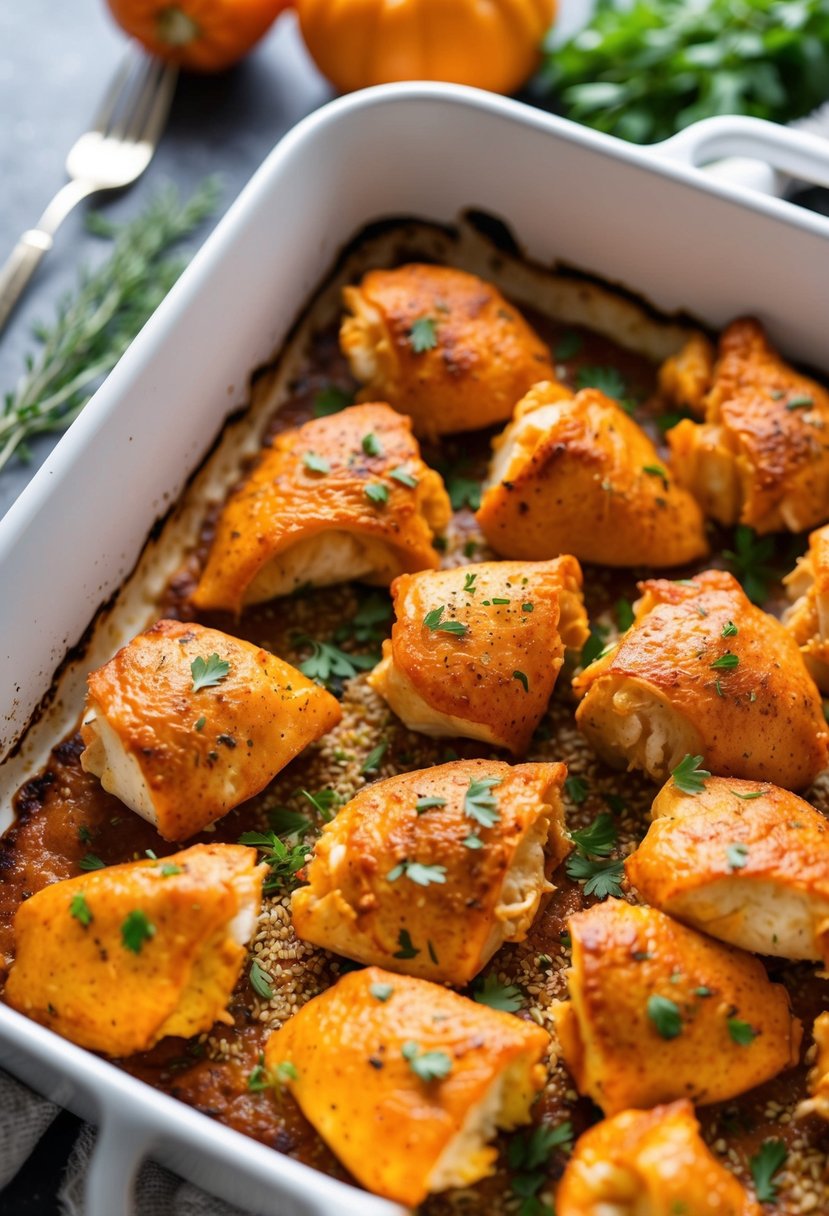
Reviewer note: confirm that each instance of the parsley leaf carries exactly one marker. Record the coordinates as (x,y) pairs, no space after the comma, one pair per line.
(376,493)
(421,874)
(568,345)
(606,379)
(604,878)
(480,804)
(381,992)
(325,803)
(800,401)
(472,841)
(737,855)
(79,908)
(90,862)
(427,1065)
(522,679)
(407,948)
(136,929)
(372,760)
(496,995)
(258,1079)
(283,860)
(729,630)
(331,400)
(434,621)
(207,672)
(327,662)
(371,445)
(749,559)
(595,644)
(316,464)
(531,1149)
(623,610)
(741,1032)
(665,1016)
(688,776)
(405,478)
(749,795)
(463,491)
(286,822)
(426,804)
(576,789)
(764,1165)
(726,662)
(423,335)
(599,838)
(260,981)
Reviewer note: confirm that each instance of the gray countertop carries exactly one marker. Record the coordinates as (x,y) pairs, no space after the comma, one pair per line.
(55,62)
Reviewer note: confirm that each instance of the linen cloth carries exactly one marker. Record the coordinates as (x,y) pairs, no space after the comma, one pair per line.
(24,1117)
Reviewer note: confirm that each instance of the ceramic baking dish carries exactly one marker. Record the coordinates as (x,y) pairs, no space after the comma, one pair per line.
(644,218)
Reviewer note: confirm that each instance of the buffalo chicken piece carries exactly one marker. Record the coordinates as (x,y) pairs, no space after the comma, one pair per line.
(761,456)
(406,1081)
(184,723)
(575,474)
(475,651)
(808,617)
(747,863)
(118,958)
(440,345)
(649,1163)
(343,497)
(452,860)
(702,671)
(658,1012)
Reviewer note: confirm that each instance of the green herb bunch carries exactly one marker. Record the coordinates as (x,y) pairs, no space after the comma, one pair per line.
(96,324)
(645,71)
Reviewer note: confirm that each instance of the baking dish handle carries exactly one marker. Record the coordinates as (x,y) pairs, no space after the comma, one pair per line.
(120,1148)
(750,152)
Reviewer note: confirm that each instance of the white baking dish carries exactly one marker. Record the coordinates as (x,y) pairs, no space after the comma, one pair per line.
(645,218)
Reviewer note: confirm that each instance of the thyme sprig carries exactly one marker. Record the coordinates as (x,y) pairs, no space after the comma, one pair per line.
(96,323)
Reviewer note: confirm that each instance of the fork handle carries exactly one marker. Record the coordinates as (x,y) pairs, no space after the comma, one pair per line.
(27,253)
(21,265)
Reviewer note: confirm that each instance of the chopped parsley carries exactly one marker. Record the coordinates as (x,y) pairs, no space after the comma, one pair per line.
(741,1032)
(327,662)
(200,723)
(286,1071)
(568,345)
(496,995)
(208,672)
(479,803)
(749,562)
(260,981)
(316,464)
(170,870)
(403,476)
(427,804)
(381,992)
(472,841)
(434,621)
(422,875)
(665,1016)
(522,679)
(136,929)
(688,776)
(372,760)
(726,662)
(469,583)
(656,470)
(528,606)
(737,856)
(427,1065)
(283,860)
(371,445)
(748,796)
(376,493)
(90,862)
(259,1080)
(801,401)
(423,335)
(79,908)
(407,947)
(331,400)
(764,1165)
(576,789)
(606,379)
(463,492)
(729,630)
(590,861)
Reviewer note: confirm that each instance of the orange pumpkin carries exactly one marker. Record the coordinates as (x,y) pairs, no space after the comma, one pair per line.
(492,44)
(206,35)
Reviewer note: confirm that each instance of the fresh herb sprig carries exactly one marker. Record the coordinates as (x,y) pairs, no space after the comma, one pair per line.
(283,860)
(646,70)
(95,325)
(603,875)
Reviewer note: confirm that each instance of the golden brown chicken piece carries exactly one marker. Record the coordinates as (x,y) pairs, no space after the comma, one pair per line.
(808,618)
(440,345)
(475,651)
(184,723)
(407,1082)
(703,672)
(659,1012)
(818,1101)
(685,378)
(649,1163)
(342,497)
(747,863)
(576,474)
(118,958)
(761,457)
(450,859)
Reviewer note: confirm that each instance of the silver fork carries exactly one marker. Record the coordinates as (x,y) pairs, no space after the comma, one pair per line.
(112,154)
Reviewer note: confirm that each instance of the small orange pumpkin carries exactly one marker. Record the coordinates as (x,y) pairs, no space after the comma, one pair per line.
(492,44)
(205,35)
